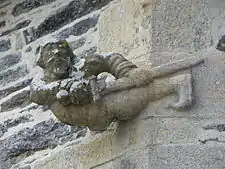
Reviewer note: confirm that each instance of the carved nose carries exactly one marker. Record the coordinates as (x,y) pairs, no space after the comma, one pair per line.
(56,51)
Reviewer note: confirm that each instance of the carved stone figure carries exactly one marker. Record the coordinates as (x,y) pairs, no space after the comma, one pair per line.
(80,92)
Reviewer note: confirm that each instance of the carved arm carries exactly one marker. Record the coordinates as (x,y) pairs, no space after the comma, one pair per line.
(44,93)
(139,77)
(136,78)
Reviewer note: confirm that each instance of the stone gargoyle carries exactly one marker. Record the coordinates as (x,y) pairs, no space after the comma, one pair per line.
(96,90)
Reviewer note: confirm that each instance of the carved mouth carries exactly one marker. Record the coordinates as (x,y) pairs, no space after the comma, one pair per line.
(58,66)
(61,70)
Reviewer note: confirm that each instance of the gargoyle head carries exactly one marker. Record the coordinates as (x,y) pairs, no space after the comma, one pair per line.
(56,59)
(221,44)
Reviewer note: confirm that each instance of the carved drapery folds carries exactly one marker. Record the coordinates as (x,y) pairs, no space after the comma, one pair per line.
(99,89)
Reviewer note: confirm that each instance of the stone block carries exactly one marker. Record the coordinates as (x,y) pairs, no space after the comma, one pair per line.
(25,167)
(125,27)
(2,13)
(96,153)
(2,24)
(77,43)
(4,5)
(116,149)
(28,5)
(21,99)
(217,4)
(187,130)
(189,32)
(17,86)
(132,160)
(44,135)
(91,152)
(88,51)
(13,74)
(14,122)
(9,60)
(185,27)
(5,45)
(75,9)
(133,134)
(18,41)
(180,156)
(79,28)
(208,86)
(30,35)
(18,26)
(108,165)
(2,1)
(159,138)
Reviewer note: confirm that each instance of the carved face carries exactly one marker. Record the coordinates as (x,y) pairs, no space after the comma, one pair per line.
(221,44)
(56,59)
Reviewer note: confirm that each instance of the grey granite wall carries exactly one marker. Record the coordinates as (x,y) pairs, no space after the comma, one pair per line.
(28,131)
(148,32)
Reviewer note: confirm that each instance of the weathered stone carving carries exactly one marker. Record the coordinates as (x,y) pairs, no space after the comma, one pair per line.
(80,92)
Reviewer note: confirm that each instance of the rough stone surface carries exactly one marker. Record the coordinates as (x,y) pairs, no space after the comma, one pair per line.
(78,43)
(25,131)
(87,52)
(2,1)
(28,5)
(26,167)
(4,5)
(79,28)
(72,11)
(47,134)
(21,100)
(9,60)
(2,24)
(5,45)
(17,86)
(188,156)
(14,122)
(126,28)
(149,33)
(29,35)
(13,74)
(2,13)
(17,27)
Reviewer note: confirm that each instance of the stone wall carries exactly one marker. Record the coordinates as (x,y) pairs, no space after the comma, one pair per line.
(149,33)
(27,131)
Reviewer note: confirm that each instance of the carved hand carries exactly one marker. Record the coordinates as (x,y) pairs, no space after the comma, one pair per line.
(104,81)
(63,97)
(101,85)
(94,88)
